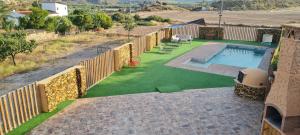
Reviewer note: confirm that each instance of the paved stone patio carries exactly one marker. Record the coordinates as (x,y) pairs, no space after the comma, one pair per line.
(216,111)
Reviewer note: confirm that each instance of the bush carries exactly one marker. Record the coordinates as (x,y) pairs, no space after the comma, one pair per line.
(82,19)
(146,23)
(118,17)
(64,25)
(157,18)
(102,20)
(51,23)
(37,18)
(137,17)
(275,62)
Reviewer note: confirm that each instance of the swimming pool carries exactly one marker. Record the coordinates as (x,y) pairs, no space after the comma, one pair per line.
(233,56)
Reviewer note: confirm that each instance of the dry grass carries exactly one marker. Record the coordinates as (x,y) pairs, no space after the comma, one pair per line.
(51,50)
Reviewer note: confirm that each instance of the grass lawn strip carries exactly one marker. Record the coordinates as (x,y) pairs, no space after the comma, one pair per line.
(152,73)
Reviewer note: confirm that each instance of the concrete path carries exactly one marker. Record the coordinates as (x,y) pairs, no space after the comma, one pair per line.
(214,111)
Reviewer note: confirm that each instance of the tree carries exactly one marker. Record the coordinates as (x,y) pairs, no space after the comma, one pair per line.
(64,25)
(12,44)
(129,24)
(4,10)
(8,25)
(37,18)
(51,23)
(102,20)
(82,19)
(118,17)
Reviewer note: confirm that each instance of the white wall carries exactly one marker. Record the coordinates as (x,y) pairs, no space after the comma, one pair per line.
(14,17)
(60,9)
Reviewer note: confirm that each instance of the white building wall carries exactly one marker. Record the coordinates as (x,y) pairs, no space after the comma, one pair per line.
(59,9)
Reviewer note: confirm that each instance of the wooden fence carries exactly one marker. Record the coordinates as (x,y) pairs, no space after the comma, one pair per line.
(139,46)
(98,68)
(190,29)
(246,33)
(17,107)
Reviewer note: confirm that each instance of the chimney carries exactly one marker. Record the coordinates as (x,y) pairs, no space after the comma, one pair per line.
(282,106)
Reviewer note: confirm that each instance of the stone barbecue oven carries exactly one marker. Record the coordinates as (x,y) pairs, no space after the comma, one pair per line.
(251,83)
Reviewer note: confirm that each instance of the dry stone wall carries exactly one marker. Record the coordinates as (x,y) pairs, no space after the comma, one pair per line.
(67,85)
(122,56)
(151,41)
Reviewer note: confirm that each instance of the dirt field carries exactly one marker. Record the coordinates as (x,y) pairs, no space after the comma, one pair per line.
(270,17)
(60,54)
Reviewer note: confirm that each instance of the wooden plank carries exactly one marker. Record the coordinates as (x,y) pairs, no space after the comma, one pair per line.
(4,120)
(37,101)
(7,113)
(24,103)
(97,68)
(13,114)
(28,101)
(102,67)
(16,105)
(19,95)
(105,65)
(1,130)
(32,99)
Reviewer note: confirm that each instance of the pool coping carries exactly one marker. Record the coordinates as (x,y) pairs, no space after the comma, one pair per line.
(208,51)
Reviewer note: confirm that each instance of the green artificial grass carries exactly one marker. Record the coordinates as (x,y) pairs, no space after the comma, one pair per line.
(152,73)
(168,88)
(29,125)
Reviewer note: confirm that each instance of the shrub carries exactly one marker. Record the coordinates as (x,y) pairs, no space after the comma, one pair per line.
(118,17)
(146,23)
(64,25)
(37,18)
(82,19)
(102,20)
(51,23)
(157,18)
(137,17)
(275,62)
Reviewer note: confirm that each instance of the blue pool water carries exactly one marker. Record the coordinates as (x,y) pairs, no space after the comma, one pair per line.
(234,57)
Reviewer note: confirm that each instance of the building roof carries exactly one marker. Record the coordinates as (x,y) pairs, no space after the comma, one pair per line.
(25,12)
(200,21)
(294,25)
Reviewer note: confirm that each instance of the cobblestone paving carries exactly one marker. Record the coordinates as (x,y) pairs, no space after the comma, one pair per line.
(192,112)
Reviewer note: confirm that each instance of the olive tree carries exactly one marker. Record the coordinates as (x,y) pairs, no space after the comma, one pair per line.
(129,24)
(12,44)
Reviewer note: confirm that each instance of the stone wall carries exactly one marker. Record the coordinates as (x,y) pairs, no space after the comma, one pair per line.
(67,85)
(276,32)
(122,56)
(249,92)
(211,33)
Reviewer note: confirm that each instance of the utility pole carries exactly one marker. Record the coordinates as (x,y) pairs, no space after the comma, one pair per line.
(221,12)
(220,17)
